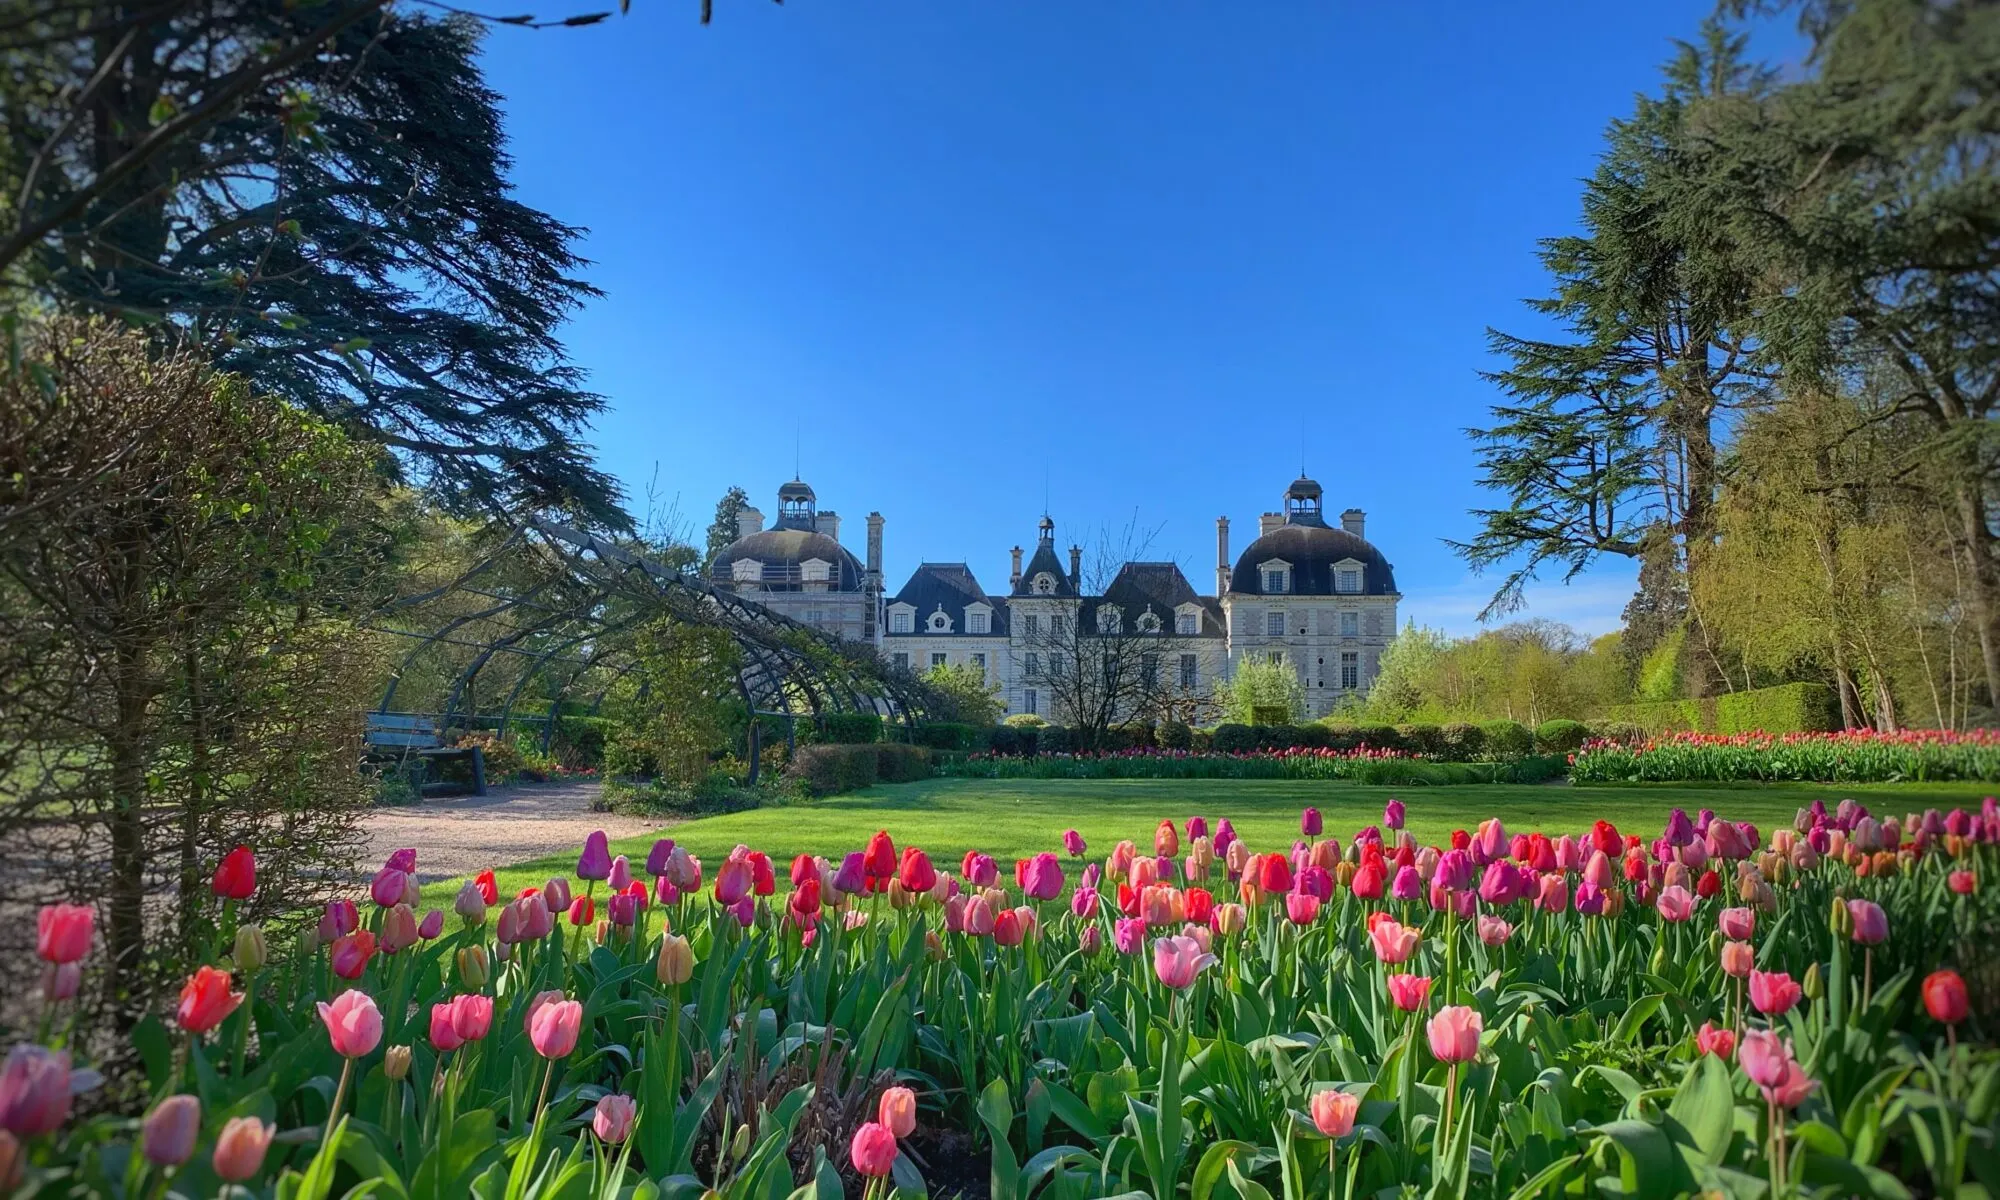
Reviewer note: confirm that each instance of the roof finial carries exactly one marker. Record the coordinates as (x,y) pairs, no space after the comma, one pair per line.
(798,425)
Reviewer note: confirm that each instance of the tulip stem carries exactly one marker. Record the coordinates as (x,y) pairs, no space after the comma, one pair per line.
(1867,975)
(339,1094)
(1450,1103)
(243,1033)
(547,1077)
(1332,1169)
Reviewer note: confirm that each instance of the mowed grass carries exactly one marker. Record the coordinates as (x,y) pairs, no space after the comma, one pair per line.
(1015,818)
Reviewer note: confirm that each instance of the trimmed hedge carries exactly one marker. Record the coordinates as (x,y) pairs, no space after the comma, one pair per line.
(827,770)
(1786,708)
(949,735)
(897,763)
(850,729)
(1464,741)
(1174,735)
(1560,736)
(1507,739)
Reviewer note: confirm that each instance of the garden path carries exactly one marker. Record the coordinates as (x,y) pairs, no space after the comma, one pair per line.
(462,835)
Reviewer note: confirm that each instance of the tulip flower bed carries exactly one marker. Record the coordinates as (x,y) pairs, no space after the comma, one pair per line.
(1853,756)
(1390,767)
(1694,1008)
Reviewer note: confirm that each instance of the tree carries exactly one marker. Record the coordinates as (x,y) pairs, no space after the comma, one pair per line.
(723,530)
(1259,690)
(1407,661)
(178,672)
(959,692)
(1611,439)
(683,673)
(341,233)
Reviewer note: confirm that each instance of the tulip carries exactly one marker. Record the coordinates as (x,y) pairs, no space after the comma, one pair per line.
(206,999)
(1274,874)
(474,967)
(34,1090)
(1393,942)
(388,886)
(1128,935)
(1408,885)
(732,881)
(1393,814)
(1044,877)
(553,1026)
(1774,992)
(1719,1042)
(62,933)
(762,881)
(1166,840)
(556,895)
(1073,843)
(167,1135)
(595,861)
(1870,923)
(1310,823)
(1144,873)
(1501,883)
(1229,918)
(1962,882)
(1178,960)
(1301,908)
(852,877)
(396,1063)
(1454,871)
(873,1151)
(1333,1112)
(353,1023)
(471,1016)
(250,950)
(1554,895)
(620,877)
(1738,924)
(623,910)
(684,869)
(1675,903)
(979,916)
(879,861)
(1409,992)
(61,981)
(1083,903)
(897,1111)
(1011,926)
(1944,993)
(444,1032)
(240,1148)
(1738,960)
(613,1118)
(1454,1034)
(660,855)
(399,929)
(1589,898)
(235,876)
(1490,843)
(1494,931)
(1090,941)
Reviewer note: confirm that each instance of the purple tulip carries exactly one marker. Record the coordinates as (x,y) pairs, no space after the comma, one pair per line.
(1501,884)
(1408,884)
(1589,898)
(1393,814)
(1454,870)
(852,878)
(1044,878)
(621,874)
(658,857)
(1197,827)
(404,860)
(1225,833)
(556,894)
(433,924)
(595,861)
(623,908)
(1073,843)
(1310,822)
(1680,830)
(664,891)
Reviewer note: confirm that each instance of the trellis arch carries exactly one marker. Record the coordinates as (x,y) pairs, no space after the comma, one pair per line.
(543,609)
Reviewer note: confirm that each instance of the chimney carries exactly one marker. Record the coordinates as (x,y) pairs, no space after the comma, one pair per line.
(828,523)
(748,521)
(1076,567)
(875,544)
(1221,555)
(1014,580)
(1269,522)
(1354,521)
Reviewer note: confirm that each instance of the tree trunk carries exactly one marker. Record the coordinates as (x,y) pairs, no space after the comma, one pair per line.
(1985,581)
(125,910)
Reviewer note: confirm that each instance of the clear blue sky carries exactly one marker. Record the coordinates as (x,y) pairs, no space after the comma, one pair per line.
(1145,254)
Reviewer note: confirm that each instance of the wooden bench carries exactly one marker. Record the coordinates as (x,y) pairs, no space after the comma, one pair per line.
(418,733)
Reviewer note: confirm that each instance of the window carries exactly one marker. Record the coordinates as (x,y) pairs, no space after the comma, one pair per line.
(1187,624)
(1045,584)
(1350,669)
(1110,620)
(1190,670)
(979,660)
(1149,622)
(1274,582)
(1274,623)
(940,623)
(1055,666)
(901,660)
(1032,624)
(978,622)
(1347,581)
(1149,671)
(899,622)
(1056,626)
(746,570)
(1350,624)
(937,658)
(1276,658)
(1034,667)
(815,570)
(1028,700)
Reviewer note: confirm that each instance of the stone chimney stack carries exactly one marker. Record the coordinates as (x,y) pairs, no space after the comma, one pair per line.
(1221,556)
(875,544)
(1269,522)
(1076,567)
(1354,521)
(1014,580)
(828,523)
(748,521)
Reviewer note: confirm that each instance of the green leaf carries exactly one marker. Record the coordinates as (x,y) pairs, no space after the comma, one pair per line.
(1705,1106)
(997,1112)
(1209,1171)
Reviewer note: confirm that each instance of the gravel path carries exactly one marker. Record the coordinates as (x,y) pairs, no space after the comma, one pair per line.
(462,835)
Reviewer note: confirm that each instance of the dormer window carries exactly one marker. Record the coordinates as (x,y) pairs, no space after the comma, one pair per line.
(1149,622)
(1348,580)
(902,620)
(815,570)
(977,621)
(1110,620)
(746,570)
(939,623)
(1276,575)
(1187,622)
(1045,584)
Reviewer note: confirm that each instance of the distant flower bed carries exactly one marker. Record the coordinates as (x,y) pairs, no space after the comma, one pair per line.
(1853,756)
(1363,765)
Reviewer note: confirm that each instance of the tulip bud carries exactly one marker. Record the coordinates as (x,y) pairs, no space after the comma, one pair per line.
(739,1145)
(933,945)
(1839,920)
(396,1063)
(676,964)
(168,1133)
(1815,986)
(251,952)
(474,969)
(471,904)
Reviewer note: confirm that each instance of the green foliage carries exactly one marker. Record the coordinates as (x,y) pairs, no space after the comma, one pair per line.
(849,728)
(685,674)
(723,529)
(1787,708)
(1464,741)
(1054,739)
(1507,739)
(829,770)
(898,763)
(1560,736)
(1026,721)
(1175,735)
(1233,737)
(1260,689)
(959,694)
(1661,670)
(949,735)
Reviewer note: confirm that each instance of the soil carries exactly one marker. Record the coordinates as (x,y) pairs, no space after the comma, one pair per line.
(462,835)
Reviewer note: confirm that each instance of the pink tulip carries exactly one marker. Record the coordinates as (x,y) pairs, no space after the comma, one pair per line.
(1129,934)
(897,1111)
(61,981)
(1044,879)
(349,954)
(1962,882)
(1871,924)
(1738,959)
(1393,814)
(1675,904)
(167,1135)
(1737,924)
(1091,941)
(1719,1042)
(1083,903)
(613,1118)
(732,881)
(1493,930)
(399,929)
(353,1023)
(1393,942)
(387,888)
(1490,842)
(471,1016)
(240,1148)
(873,1151)
(1409,992)
(1408,884)
(556,895)
(444,1034)
(1554,894)
(63,932)
(1301,908)
(1454,1033)
(979,916)
(621,874)
(34,1090)
(1501,883)
(1178,960)
(431,926)
(1774,992)
(553,1027)
(1333,1112)
(1073,843)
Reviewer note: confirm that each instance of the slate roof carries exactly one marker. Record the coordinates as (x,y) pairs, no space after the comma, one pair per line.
(1045,559)
(1312,547)
(953,587)
(1160,586)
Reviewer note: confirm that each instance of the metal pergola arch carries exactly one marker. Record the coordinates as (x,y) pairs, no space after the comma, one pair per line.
(556,605)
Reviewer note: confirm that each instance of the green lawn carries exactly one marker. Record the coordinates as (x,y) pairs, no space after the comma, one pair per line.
(1011,819)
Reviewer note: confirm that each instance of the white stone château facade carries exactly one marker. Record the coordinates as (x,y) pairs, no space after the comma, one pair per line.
(1316,597)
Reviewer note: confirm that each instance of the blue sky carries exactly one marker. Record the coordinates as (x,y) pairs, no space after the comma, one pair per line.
(1144,256)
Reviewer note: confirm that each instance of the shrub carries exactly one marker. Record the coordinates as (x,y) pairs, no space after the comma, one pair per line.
(1621,732)
(1232,738)
(1276,737)
(1174,735)
(1507,739)
(1427,740)
(1379,737)
(828,770)
(1200,741)
(1463,742)
(503,758)
(1560,736)
(897,763)
(1026,721)
(1787,708)
(1055,739)
(949,735)
(1342,735)
(1004,739)
(850,729)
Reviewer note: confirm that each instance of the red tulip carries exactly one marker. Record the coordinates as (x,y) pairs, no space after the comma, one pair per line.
(873,1151)
(206,999)
(1774,992)
(489,888)
(1274,874)
(879,861)
(1945,997)
(916,872)
(236,875)
(762,881)
(1719,1042)
(1962,882)
(63,932)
